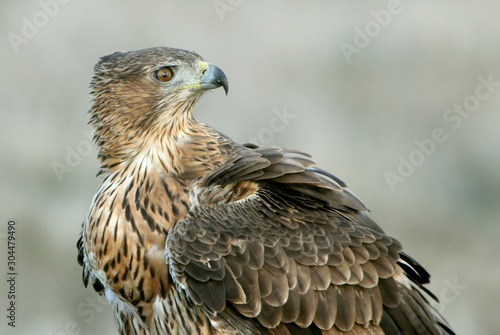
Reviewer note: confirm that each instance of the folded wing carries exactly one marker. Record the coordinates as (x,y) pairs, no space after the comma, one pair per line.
(273,244)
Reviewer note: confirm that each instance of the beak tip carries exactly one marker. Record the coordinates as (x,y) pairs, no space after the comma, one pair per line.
(221,80)
(214,78)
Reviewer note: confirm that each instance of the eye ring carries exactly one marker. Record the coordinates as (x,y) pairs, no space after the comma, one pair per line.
(164,74)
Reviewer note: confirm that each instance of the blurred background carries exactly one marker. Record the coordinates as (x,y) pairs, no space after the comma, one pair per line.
(400,99)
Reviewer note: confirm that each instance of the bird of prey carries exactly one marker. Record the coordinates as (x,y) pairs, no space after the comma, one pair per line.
(192,233)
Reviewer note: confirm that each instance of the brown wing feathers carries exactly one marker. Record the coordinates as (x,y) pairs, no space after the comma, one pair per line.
(280,256)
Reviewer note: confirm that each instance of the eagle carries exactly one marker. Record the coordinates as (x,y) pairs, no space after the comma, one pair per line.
(192,233)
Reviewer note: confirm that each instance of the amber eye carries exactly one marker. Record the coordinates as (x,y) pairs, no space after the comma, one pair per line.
(164,74)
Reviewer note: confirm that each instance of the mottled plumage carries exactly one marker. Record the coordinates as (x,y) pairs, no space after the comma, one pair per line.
(191,233)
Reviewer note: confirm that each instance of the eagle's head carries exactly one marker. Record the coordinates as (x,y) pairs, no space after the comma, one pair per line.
(137,92)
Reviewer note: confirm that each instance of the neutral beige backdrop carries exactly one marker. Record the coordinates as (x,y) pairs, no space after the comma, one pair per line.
(360,117)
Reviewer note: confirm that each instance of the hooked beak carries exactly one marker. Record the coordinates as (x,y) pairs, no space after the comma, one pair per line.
(212,77)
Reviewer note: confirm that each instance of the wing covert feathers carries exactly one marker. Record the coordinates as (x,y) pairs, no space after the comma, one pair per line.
(282,256)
